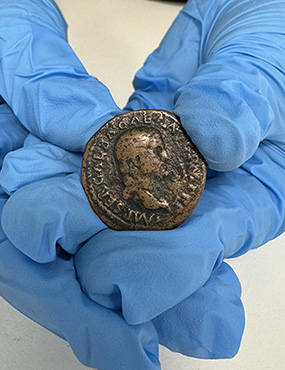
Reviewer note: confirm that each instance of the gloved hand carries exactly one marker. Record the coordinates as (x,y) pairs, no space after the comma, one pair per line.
(13,133)
(46,292)
(220,68)
(50,294)
(42,73)
(54,97)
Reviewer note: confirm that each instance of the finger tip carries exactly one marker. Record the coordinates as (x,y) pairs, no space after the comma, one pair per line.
(33,221)
(222,148)
(219,121)
(9,174)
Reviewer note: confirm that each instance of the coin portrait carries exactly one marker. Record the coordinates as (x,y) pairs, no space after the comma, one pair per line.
(141,171)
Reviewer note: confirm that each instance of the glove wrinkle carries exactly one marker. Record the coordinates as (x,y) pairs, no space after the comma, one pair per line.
(40,77)
(86,326)
(113,295)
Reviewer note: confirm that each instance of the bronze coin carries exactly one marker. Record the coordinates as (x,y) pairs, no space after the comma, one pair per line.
(141,171)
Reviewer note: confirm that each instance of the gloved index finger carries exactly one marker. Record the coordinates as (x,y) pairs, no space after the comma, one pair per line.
(236,98)
(170,66)
(42,79)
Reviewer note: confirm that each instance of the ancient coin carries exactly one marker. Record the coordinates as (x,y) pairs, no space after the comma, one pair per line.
(141,171)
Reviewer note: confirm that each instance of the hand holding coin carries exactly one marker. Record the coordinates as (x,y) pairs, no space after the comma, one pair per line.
(141,171)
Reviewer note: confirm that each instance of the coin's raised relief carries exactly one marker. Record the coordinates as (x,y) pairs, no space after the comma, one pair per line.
(141,171)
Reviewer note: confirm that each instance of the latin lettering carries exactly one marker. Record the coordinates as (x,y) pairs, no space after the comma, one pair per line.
(105,144)
(98,167)
(99,156)
(117,209)
(140,217)
(111,133)
(111,200)
(98,180)
(123,125)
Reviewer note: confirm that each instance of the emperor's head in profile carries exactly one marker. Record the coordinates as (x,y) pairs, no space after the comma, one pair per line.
(142,159)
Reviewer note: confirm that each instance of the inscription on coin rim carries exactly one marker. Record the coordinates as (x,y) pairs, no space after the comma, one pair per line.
(97,153)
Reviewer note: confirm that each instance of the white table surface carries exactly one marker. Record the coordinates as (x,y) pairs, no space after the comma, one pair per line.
(112,38)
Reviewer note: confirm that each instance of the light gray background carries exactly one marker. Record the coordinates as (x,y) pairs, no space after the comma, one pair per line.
(113,38)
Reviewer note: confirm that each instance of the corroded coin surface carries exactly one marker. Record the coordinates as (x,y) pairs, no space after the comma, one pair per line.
(141,171)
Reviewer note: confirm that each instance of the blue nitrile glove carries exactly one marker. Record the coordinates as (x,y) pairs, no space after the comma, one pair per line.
(214,311)
(12,132)
(38,65)
(50,92)
(53,209)
(221,69)
(54,97)
(50,294)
